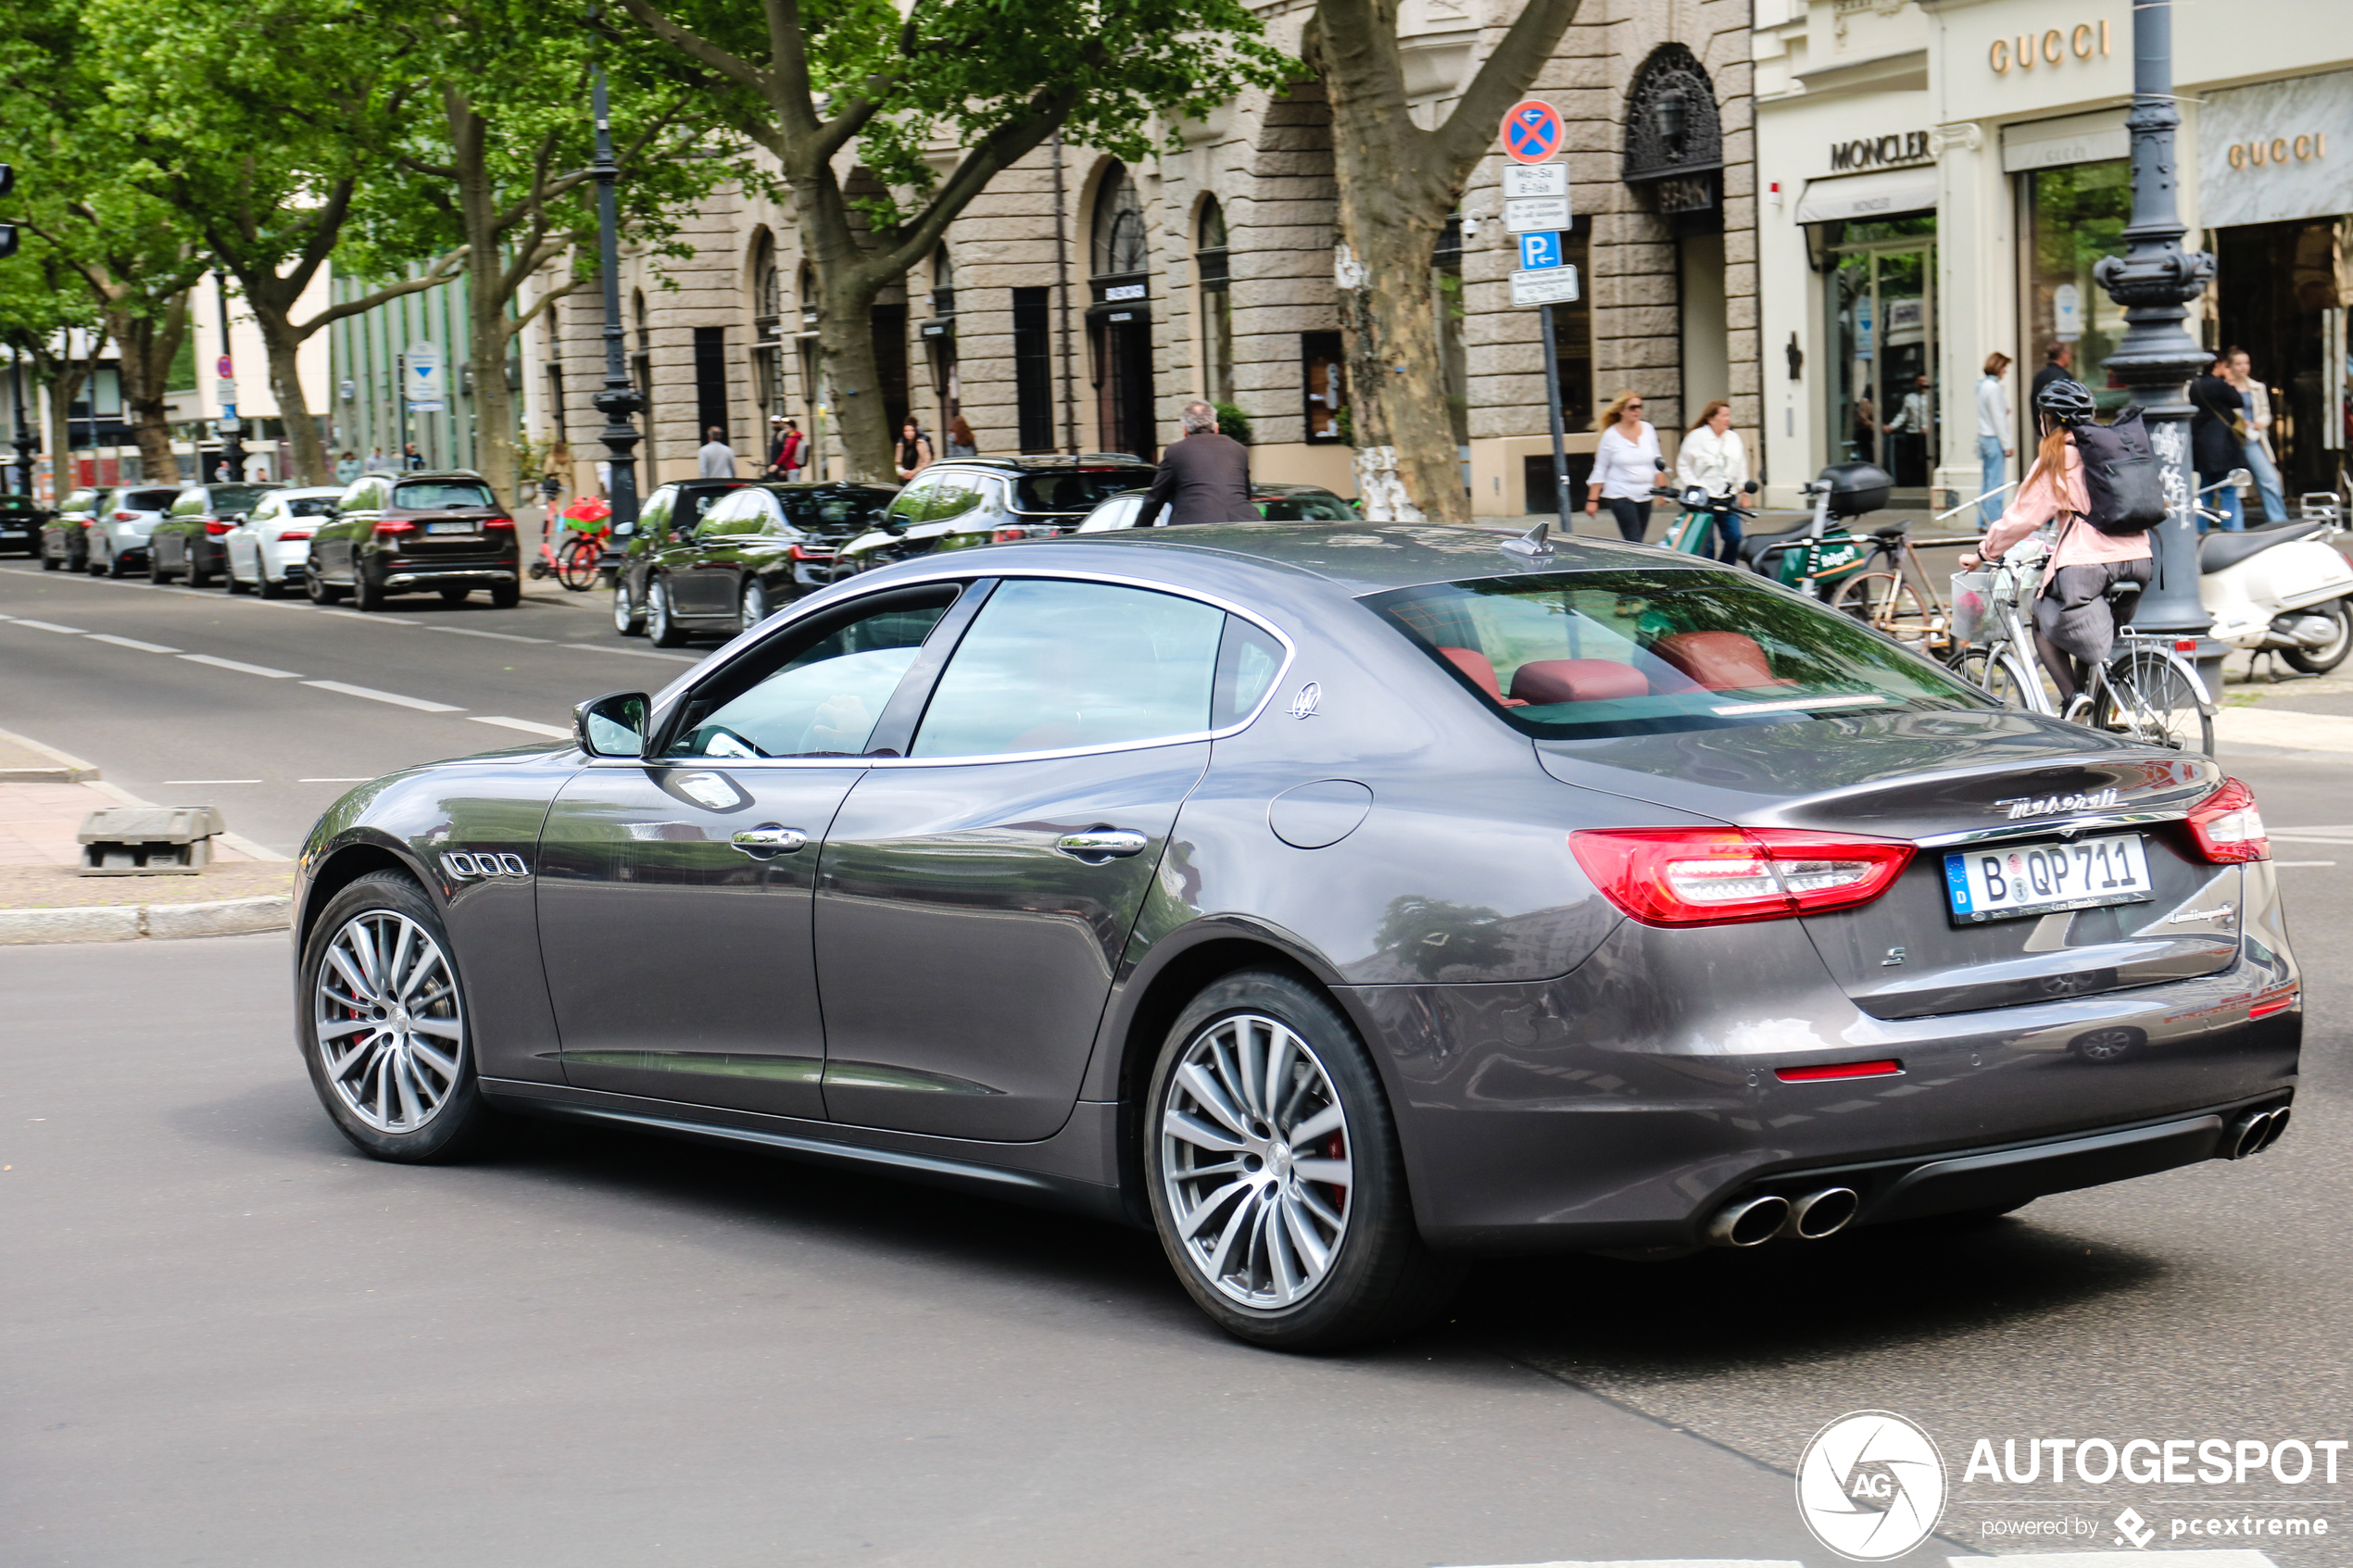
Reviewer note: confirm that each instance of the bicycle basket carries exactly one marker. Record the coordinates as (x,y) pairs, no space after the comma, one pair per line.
(1973,605)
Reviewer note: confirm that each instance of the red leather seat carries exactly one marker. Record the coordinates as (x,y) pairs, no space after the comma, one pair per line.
(1481,669)
(1721,661)
(1576,679)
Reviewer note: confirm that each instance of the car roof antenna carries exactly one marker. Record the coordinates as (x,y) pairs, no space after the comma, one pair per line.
(1533,544)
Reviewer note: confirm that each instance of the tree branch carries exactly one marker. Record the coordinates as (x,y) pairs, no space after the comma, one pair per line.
(1519,54)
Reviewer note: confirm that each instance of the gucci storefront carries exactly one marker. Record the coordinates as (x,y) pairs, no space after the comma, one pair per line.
(1941,177)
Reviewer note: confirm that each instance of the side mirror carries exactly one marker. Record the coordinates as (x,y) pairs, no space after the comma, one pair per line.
(1749,489)
(613,725)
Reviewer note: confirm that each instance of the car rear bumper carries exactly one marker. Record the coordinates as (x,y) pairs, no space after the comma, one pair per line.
(1622,1107)
(431,575)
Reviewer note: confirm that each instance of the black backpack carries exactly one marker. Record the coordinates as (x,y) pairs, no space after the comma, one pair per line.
(2121,479)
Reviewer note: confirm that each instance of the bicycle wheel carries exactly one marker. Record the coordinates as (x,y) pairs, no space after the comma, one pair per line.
(576,565)
(2153,697)
(1890,604)
(2001,673)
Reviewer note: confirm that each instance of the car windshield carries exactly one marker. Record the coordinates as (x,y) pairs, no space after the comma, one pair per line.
(424,494)
(1314,507)
(238,497)
(310,506)
(1075,490)
(833,511)
(1583,655)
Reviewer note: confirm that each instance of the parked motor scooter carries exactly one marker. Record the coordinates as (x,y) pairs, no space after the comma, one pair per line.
(1701,528)
(1821,553)
(2284,590)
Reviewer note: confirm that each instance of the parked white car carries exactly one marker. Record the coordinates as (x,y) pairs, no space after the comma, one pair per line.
(119,531)
(268,549)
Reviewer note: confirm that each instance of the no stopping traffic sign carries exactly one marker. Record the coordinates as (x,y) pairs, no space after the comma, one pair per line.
(1531,131)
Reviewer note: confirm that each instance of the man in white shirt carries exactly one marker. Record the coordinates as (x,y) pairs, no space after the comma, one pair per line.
(717,459)
(1909,458)
(1993,439)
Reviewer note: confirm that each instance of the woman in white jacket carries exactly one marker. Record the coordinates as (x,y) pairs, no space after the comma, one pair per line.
(1626,466)
(1712,457)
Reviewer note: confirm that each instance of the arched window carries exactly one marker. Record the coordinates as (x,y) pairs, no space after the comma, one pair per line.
(768,326)
(1119,243)
(1213,269)
(1119,324)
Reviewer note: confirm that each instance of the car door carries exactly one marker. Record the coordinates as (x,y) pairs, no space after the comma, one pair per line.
(702,571)
(245,540)
(974,898)
(674,891)
(646,540)
(355,516)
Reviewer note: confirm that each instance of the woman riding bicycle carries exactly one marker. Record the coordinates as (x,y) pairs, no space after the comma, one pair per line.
(2072,618)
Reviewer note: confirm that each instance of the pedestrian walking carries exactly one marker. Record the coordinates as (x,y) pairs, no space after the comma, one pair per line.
(410,458)
(2262,461)
(716,459)
(1863,441)
(347,468)
(961,443)
(914,450)
(1714,458)
(1626,464)
(1992,438)
(1204,477)
(2218,440)
(787,449)
(2059,364)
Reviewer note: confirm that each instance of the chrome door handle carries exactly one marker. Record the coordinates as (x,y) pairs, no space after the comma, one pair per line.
(1101,844)
(768,839)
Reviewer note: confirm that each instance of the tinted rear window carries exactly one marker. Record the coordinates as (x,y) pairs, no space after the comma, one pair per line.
(310,506)
(147,500)
(1588,654)
(238,497)
(835,512)
(1306,508)
(430,493)
(1076,491)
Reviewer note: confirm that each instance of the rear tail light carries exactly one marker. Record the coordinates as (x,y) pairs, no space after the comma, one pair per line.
(293,534)
(126,517)
(395,525)
(802,552)
(1883,1069)
(2227,828)
(215,527)
(1716,877)
(499,524)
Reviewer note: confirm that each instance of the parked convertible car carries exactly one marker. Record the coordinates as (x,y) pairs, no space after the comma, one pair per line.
(1338,904)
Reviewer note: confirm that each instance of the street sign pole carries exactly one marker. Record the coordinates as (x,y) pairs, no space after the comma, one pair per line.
(1552,406)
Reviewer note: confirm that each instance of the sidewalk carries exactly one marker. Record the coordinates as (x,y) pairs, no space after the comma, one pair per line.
(46,794)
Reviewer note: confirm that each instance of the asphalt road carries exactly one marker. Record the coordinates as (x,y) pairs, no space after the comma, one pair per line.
(231,1339)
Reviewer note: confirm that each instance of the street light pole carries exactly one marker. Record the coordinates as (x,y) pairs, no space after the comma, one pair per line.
(24,441)
(2155,280)
(619,400)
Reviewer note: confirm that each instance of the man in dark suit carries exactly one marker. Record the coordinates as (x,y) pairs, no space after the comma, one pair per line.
(1204,477)
(2059,364)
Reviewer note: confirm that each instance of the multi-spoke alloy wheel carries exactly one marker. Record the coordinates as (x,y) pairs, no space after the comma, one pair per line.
(1274,1173)
(385,1025)
(1255,1154)
(389,1025)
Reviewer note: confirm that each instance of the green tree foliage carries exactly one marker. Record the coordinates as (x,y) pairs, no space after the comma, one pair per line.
(837,88)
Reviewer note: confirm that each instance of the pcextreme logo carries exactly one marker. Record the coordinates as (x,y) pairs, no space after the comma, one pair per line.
(1871,1486)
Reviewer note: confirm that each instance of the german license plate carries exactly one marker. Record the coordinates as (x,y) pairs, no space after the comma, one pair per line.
(2011,881)
(453,528)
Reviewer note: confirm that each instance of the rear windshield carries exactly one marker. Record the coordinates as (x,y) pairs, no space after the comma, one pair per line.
(835,512)
(147,500)
(238,497)
(1306,508)
(427,493)
(1588,654)
(1076,491)
(310,506)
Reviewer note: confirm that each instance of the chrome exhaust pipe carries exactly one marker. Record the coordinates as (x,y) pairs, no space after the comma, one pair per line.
(2253,1133)
(2271,1134)
(1749,1223)
(1823,1213)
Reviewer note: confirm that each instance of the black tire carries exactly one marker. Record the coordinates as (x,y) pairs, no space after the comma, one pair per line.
(114,566)
(368,591)
(661,628)
(320,591)
(156,572)
(455,594)
(235,585)
(2319,661)
(752,608)
(505,596)
(272,587)
(459,1123)
(1380,1279)
(197,576)
(50,562)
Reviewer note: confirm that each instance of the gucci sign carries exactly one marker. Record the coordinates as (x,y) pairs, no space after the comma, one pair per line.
(2028,50)
(2279,149)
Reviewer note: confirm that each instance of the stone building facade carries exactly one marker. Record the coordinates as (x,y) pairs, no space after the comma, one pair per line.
(1078,302)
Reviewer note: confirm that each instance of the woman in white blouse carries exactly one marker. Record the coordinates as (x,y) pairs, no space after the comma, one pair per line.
(1712,457)
(1626,466)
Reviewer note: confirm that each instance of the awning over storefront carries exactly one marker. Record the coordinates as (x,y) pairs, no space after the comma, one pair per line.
(1883,194)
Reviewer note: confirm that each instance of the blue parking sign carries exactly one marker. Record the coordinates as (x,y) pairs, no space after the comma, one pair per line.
(1539,251)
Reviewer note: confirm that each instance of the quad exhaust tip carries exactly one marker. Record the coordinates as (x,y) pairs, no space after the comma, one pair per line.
(2256,1132)
(1822,1213)
(1751,1221)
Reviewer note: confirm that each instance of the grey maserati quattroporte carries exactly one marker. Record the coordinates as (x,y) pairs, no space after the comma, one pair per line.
(1339,902)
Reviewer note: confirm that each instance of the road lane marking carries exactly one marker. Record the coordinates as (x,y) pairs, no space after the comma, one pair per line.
(526,726)
(2304,862)
(242,669)
(52,626)
(130,643)
(637,653)
(361,780)
(502,636)
(371,620)
(420,704)
(210,781)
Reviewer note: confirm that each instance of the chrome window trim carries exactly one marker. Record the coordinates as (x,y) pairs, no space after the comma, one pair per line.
(2049,827)
(1291,658)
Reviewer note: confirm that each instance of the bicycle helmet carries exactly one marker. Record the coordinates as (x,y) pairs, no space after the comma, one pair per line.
(2069,402)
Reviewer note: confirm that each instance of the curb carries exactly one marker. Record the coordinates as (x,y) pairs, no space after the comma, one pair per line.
(129,923)
(69,769)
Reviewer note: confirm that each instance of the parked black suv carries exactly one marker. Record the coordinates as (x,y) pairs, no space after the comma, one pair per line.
(441,532)
(961,502)
(668,516)
(188,541)
(753,553)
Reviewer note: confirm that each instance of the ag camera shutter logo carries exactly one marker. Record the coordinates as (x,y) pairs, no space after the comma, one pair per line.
(1871,1486)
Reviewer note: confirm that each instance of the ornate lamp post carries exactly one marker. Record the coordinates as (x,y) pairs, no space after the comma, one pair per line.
(619,400)
(2155,280)
(24,441)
